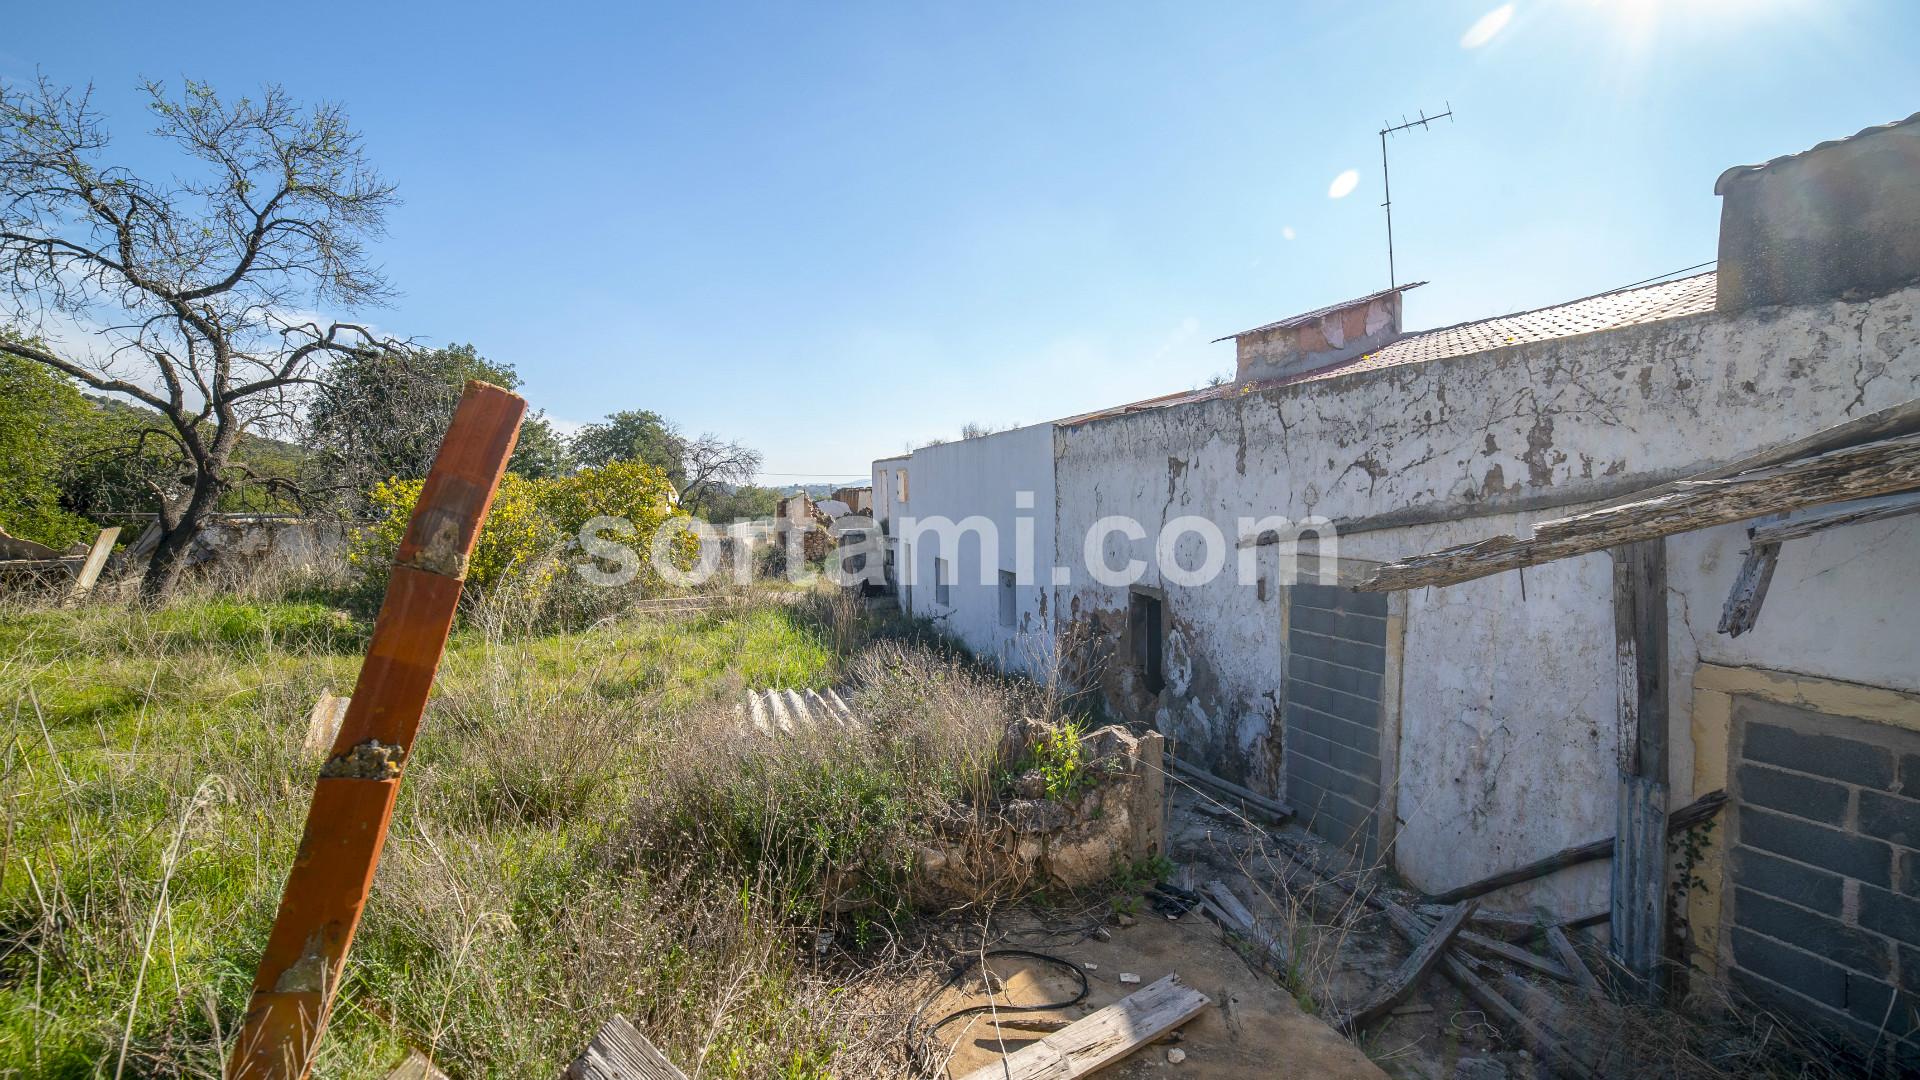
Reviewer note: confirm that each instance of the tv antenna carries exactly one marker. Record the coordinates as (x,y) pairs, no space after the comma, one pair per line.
(1387,183)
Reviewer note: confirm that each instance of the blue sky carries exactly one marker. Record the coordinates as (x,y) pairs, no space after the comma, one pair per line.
(836,230)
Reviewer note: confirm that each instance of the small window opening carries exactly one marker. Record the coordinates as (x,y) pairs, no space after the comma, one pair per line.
(1149,646)
(1007,605)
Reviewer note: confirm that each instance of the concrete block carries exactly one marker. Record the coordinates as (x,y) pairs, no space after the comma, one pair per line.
(1843,853)
(1791,793)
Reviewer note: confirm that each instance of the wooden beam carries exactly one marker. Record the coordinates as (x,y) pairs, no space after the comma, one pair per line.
(1742,609)
(1273,807)
(353,798)
(1638,889)
(1562,947)
(619,1052)
(1515,955)
(1221,905)
(96,561)
(1855,472)
(1101,1038)
(1693,814)
(1423,959)
(1538,1039)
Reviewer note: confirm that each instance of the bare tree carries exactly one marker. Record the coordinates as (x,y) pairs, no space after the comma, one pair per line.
(185,294)
(709,462)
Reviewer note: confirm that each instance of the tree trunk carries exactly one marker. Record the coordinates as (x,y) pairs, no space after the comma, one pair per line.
(177,531)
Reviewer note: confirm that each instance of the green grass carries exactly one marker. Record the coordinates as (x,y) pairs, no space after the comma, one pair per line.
(582,831)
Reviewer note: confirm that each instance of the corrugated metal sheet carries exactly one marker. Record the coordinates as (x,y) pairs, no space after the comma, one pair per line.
(784,712)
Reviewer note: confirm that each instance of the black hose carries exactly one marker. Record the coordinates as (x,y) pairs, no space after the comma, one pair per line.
(914,1031)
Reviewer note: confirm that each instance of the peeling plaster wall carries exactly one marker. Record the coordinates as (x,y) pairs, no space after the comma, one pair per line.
(981,477)
(1843,604)
(1507,720)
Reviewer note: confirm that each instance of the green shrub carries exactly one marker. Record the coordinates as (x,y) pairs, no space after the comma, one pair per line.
(533,518)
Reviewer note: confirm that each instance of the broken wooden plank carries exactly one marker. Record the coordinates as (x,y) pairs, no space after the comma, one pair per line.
(95,562)
(619,1052)
(1101,1038)
(1515,955)
(1742,609)
(1685,818)
(1562,947)
(417,1067)
(1221,905)
(1423,959)
(1538,1039)
(1274,807)
(1854,472)
(1503,925)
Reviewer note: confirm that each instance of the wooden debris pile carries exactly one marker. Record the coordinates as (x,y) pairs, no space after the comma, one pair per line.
(1483,954)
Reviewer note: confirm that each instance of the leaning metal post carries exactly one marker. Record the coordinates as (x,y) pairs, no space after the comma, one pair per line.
(353,798)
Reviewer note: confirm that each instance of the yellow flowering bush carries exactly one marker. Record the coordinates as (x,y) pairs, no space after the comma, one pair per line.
(533,518)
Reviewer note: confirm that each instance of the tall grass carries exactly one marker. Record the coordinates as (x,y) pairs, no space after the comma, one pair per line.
(586,827)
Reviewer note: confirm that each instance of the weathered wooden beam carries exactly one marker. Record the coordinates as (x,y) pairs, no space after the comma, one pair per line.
(353,798)
(1223,907)
(1103,1037)
(1638,888)
(1423,959)
(1854,472)
(96,561)
(619,1052)
(1685,818)
(1562,947)
(1742,609)
(1537,1038)
(1273,807)
(1515,955)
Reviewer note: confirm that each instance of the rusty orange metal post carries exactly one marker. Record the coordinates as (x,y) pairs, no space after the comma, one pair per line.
(353,799)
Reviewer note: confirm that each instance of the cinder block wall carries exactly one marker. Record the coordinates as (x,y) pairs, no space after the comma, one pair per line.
(1336,670)
(1825,905)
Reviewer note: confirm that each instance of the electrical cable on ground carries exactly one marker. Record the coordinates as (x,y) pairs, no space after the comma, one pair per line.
(960,969)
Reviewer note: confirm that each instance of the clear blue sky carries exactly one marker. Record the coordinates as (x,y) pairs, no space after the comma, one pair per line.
(834,230)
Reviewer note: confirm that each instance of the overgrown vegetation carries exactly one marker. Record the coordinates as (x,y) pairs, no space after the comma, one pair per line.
(587,827)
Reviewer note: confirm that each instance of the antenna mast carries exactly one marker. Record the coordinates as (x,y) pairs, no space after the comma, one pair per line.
(1386,181)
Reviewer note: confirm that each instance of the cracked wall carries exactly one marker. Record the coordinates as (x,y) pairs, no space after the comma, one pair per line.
(1507,715)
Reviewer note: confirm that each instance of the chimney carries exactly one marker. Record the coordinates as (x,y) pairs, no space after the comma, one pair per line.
(1838,222)
(1318,339)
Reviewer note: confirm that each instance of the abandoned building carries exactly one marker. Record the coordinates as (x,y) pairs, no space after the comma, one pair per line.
(1470,723)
